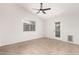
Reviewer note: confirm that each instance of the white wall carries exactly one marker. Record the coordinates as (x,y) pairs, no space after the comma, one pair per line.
(11,26)
(69,26)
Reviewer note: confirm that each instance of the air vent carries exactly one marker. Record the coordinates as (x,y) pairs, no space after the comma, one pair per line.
(70,38)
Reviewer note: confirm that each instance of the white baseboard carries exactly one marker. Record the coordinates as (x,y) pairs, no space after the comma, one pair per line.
(66,41)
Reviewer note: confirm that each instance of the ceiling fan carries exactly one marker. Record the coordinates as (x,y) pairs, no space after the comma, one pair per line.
(42,9)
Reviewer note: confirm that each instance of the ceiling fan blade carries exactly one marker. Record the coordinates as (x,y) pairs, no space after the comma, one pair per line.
(47,9)
(41,5)
(44,12)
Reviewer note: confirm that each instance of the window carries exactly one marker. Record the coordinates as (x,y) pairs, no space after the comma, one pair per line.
(57,29)
(29,26)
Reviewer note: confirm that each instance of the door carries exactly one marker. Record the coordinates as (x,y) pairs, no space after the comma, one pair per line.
(57,29)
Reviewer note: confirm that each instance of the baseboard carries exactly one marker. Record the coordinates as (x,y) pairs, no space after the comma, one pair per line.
(65,41)
(42,38)
(23,41)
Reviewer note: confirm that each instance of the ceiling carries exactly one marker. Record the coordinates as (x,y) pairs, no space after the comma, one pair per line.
(57,9)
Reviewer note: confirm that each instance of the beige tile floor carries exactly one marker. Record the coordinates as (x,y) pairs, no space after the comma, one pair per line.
(42,46)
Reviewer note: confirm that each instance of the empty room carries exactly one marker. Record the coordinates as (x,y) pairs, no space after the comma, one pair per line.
(39,28)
